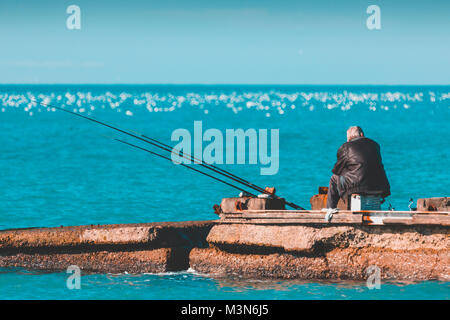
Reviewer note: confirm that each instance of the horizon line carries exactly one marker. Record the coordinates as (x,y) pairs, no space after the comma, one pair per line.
(215,84)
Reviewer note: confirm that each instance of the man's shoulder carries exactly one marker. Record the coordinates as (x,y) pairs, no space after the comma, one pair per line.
(362,140)
(363,143)
(343,147)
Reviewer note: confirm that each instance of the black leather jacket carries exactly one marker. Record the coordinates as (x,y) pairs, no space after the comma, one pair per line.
(359,161)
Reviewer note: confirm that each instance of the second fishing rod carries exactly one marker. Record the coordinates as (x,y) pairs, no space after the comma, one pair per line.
(167,148)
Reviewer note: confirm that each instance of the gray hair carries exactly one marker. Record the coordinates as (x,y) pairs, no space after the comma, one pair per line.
(354,132)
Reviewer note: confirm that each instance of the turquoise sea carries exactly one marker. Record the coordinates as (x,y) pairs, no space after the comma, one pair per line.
(61,170)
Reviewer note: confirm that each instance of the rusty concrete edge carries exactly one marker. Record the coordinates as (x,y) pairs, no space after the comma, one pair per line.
(122,236)
(135,262)
(110,226)
(317,240)
(339,264)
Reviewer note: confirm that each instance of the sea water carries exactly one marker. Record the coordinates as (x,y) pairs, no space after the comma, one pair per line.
(58,169)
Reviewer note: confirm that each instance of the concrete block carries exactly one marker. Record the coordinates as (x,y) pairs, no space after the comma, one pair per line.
(236,205)
(433,204)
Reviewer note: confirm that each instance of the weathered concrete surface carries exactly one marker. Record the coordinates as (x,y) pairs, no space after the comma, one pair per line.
(310,239)
(434,204)
(326,251)
(291,250)
(135,248)
(151,261)
(236,205)
(337,264)
(159,234)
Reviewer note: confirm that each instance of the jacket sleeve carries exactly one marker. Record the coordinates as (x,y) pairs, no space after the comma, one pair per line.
(341,159)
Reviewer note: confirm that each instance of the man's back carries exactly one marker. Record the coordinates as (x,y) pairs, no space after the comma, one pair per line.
(359,162)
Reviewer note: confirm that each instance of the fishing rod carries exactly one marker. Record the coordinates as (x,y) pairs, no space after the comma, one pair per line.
(184,165)
(169,149)
(152,143)
(194,159)
(224,172)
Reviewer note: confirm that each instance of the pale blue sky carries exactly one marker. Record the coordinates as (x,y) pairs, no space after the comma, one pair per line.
(248,42)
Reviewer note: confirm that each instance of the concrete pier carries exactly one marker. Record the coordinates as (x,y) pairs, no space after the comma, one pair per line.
(281,244)
(334,252)
(134,248)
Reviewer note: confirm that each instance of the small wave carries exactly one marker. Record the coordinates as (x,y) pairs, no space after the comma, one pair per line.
(189,271)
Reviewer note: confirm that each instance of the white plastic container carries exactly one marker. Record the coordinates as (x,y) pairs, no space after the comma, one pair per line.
(360,202)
